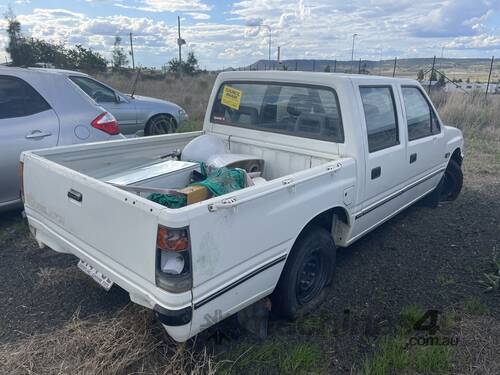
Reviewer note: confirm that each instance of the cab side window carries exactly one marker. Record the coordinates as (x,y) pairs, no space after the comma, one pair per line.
(420,117)
(18,99)
(380,116)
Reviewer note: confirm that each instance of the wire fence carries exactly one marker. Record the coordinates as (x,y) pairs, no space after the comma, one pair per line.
(464,75)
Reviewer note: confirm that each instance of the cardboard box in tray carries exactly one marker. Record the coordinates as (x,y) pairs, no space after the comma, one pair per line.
(195,194)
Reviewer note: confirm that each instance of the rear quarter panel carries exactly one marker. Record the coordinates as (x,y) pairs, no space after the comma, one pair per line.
(228,244)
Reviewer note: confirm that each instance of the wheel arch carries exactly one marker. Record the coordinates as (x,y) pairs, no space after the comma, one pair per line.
(457,156)
(326,219)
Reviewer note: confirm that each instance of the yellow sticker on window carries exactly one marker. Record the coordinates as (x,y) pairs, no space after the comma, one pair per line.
(231,97)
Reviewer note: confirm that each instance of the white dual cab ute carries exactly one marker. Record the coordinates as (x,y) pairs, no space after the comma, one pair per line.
(341,155)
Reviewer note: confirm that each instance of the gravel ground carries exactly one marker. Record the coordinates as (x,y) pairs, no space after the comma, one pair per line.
(433,258)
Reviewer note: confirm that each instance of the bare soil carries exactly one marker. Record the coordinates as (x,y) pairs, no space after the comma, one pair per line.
(433,258)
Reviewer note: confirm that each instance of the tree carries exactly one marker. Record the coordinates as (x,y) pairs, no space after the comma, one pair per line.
(87,60)
(327,68)
(29,51)
(420,75)
(188,66)
(20,54)
(467,80)
(119,57)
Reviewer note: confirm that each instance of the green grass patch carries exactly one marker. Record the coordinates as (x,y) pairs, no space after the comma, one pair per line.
(408,316)
(395,355)
(190,126)
(274,357)
(474,306)
(313,325)
(302,358)
(445,280)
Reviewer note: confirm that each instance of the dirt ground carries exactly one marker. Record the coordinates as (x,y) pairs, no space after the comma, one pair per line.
(431,258)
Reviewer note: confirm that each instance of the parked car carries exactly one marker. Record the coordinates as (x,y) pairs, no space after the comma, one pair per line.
(40,109)
(133,112)
(341,154)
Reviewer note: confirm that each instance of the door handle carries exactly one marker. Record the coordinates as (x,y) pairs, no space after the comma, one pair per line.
(35,134)
(376,172)
(75,195)
(413,158)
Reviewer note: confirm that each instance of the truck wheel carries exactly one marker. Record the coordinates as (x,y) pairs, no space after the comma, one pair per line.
(308,270)
(160,124)
(452,181)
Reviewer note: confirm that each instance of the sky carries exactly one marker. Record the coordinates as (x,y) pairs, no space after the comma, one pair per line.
(220,35)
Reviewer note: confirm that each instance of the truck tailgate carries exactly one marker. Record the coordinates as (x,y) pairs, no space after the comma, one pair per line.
(111,225)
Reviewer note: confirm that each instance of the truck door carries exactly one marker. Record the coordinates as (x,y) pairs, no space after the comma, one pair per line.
(426,144)
(385,160)
(26,123)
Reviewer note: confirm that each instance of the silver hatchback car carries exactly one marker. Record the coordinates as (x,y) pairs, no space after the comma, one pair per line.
(39,110)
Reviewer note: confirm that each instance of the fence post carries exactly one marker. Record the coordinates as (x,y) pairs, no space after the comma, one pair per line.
(335,65)
(432,72)
(395,64)
(489,77)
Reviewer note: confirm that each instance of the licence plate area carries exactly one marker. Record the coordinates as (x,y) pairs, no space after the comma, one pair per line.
(98,277)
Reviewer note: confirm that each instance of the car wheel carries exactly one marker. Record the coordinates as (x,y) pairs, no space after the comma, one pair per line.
(160,124)
(452,181)
(308,270)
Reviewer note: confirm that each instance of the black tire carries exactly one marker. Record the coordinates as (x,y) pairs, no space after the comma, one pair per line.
(160,124)
(451,182)
(308,270)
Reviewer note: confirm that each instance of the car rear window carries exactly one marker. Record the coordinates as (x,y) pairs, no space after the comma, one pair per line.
(292,109)
(18,98)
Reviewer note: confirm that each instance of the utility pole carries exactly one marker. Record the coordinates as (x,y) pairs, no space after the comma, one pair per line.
(269,28)
(432,73)
(352,51)
(180,42)
(489,77)
(132,51)
(395,64)
(279,50)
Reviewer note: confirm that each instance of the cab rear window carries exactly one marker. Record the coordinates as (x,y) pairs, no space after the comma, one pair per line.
(298,110)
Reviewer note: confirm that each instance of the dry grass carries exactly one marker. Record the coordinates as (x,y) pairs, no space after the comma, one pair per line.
(129,342)
(470,112)
(479,346)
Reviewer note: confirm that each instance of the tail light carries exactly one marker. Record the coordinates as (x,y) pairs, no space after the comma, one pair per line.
(173,261)
(107,123)
(21,180)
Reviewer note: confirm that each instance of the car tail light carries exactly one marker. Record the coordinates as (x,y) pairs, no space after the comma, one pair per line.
(107,123)
(21,180)
(173,261)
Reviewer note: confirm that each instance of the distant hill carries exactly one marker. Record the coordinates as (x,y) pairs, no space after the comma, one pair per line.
(475,69)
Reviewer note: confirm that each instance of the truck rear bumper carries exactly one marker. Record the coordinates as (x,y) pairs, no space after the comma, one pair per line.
(175,316)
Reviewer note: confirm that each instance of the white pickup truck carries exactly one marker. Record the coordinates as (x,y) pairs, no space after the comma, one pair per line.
(341,155)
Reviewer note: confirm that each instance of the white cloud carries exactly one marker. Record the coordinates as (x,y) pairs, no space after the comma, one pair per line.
(199,16)
(167,5)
